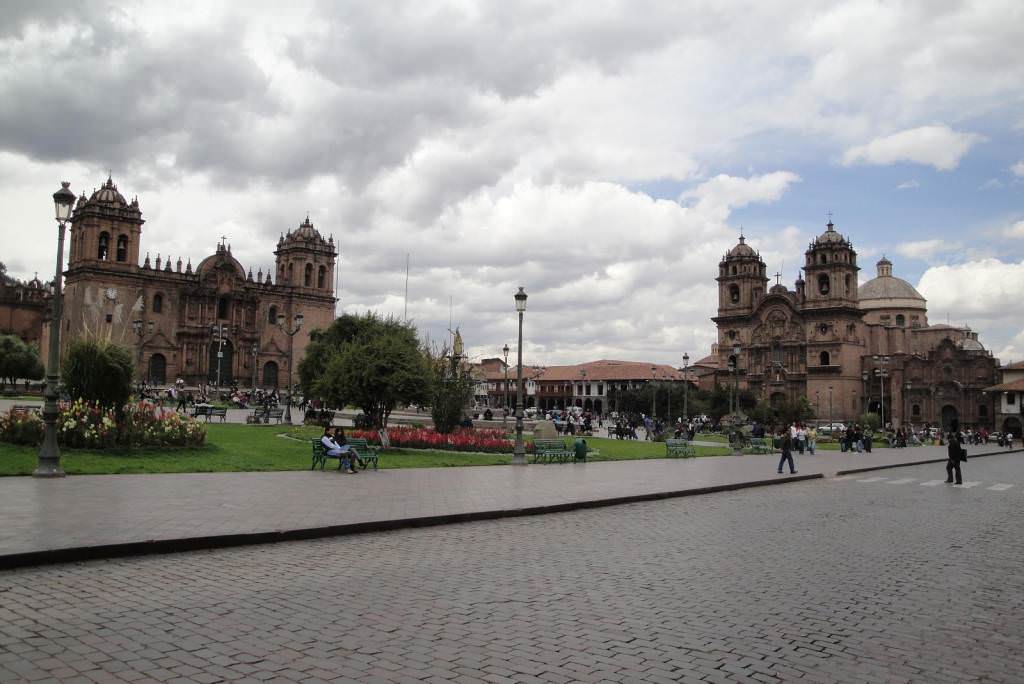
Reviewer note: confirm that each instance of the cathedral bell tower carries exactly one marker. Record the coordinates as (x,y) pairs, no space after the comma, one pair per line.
(741,280)
(830,268)
(306,261)
(105,231)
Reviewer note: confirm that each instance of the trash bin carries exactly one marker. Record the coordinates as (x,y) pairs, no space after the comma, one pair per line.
(580,449)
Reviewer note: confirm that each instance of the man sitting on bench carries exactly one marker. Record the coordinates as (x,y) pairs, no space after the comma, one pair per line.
(343,452)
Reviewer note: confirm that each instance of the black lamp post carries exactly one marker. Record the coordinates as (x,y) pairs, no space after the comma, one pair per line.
(255,352)
(141,329)
(504,393)
(654,390)
(830,407)
(48,464)
(735,368)
(686,389)
(291,333)
(519,453)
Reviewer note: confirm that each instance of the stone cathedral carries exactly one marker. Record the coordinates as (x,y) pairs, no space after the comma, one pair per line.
(195,323)
(848,348)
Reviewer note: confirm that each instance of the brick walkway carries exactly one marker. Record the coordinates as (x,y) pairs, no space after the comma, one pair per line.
(99,510)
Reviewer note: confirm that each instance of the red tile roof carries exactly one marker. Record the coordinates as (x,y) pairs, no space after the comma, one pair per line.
(610,370)
(1012,386)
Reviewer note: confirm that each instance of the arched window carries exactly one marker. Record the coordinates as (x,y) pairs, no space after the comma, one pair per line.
(321,277)
(777,353)
(104,247)
(272,315)
(734,294)
(158,303)
(824,258)
(223,307)
(823,284)
(824,359)
(307,279)
(983,411)
(915,410)
(847,282)
(122,248)
(900,320)
(734,270)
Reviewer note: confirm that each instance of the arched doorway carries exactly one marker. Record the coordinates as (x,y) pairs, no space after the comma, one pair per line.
(157,369)
(950,416)
(270,375)
(226,363)
(1013,426)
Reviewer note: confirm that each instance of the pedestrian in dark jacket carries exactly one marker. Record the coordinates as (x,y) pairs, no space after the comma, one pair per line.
(786,439)
(954,454)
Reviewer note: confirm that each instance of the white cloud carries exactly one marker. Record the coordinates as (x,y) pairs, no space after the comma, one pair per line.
(908,185)
(992,184)
(938,146)
(925,249)
(1018,168)
(1015,231)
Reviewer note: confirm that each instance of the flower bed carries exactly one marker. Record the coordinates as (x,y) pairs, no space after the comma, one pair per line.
(491,440)
(83,425)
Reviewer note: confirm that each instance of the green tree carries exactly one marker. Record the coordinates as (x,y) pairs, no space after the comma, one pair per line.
(869,421)
(98,371)
(377,366)
(451,390)
(18,360)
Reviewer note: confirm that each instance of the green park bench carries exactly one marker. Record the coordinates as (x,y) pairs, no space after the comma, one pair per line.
(761,445)
(215,412)
(365,454)
(679,447)
(551,451)
(274,414)
(201,411)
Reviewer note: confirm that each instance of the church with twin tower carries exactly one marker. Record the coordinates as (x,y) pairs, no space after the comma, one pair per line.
(849,348)
(213,321)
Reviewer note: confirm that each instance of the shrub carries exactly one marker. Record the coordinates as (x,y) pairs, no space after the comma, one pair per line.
(98,372)
(21,427)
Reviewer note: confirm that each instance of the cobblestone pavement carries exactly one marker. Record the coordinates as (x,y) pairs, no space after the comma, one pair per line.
(94,510)
(830,580)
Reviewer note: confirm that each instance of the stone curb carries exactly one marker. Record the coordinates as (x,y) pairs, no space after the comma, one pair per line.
(868,469)
(152,546)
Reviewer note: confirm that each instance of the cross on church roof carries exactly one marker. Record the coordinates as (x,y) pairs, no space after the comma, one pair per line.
(778,278)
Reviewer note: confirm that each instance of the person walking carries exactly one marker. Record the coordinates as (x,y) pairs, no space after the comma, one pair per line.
(786,443)
(812,440)
(954,455)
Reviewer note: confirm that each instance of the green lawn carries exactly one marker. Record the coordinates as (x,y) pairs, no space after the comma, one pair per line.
(234,448)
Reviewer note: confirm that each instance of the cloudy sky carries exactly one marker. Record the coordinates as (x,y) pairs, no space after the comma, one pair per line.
(601,154)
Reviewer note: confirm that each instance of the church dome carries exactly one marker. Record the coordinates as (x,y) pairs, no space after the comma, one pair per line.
(306,231)
(886,287)
(830,236)
(742,249)
(108,194)
(971,344)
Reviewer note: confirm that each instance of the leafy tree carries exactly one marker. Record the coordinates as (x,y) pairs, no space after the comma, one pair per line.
(98,371)
(869,421)
(451,390)
(376,365)
(18,360)
(324,344)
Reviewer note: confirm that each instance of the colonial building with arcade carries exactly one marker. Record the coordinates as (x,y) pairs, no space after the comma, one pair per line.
(848,348)
(213,321)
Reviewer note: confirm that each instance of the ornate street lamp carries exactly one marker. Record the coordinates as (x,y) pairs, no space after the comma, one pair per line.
(654,390)
(882,372)
(686,388)
(48,464)
(519,453)
(141,329)
(735,367)
(906,403)
(255,352)
(291,333)
(504,392)
(830,408)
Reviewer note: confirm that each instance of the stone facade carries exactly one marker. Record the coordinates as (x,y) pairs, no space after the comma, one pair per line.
(170,313)
(849,349)
(23,307)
